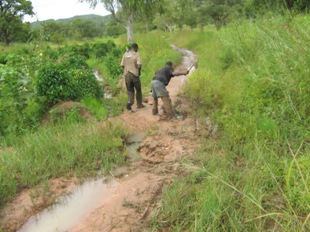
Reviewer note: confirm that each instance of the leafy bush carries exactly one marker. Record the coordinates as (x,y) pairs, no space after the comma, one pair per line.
(100,49)
(36,77)
(3,59)
(16,92)
(112,62)
(60,83)
(73,61)
(55,83)
(86,84)
(81,50)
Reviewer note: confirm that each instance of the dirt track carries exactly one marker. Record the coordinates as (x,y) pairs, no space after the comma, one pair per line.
(135,194)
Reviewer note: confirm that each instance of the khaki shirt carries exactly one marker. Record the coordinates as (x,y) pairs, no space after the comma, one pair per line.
(130,61)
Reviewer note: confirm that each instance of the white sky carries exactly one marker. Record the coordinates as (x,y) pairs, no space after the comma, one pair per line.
(61,9)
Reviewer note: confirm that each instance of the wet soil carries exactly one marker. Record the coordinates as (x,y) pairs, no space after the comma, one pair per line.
(135,191)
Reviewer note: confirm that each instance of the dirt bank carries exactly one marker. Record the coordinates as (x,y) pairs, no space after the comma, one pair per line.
(135,193)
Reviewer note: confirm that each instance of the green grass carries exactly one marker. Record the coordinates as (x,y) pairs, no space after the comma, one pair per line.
(97,108)
(63,150)
(253,81)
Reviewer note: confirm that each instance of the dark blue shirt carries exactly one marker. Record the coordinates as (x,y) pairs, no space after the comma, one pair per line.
(164,75)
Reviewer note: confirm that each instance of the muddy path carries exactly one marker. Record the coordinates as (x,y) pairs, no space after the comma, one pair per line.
(131,193)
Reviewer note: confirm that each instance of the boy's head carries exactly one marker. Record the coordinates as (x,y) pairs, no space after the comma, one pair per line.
(169,63)
(135,47)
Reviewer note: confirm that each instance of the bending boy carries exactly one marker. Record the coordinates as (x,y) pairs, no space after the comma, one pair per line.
(160,81)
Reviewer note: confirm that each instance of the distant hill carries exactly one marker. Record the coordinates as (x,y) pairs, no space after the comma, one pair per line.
(98,19)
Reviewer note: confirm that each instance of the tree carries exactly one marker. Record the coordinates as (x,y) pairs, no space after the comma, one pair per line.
(11,15)
(280,5)
(85,29)
(49,28)
(174,14)
(220,10)
(218,13)
(168,16)
(23,34)
(114,29)
(125,11)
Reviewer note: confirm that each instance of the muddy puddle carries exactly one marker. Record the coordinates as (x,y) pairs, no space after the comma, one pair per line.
(69,210)
(133,142)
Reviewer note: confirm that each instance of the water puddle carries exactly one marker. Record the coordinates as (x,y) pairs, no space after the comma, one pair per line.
(74,207)
(70,209)
(133,142)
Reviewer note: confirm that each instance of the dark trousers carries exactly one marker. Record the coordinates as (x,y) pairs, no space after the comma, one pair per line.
(133,84)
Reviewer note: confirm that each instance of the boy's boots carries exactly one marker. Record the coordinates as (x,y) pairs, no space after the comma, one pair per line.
(168,108)
(155,106)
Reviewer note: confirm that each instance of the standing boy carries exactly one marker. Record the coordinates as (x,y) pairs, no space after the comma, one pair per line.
(131,63)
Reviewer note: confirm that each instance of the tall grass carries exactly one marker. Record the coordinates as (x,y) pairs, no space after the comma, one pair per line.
(69,149)
(253,80)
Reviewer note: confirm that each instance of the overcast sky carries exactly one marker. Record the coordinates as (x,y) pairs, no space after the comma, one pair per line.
(60,9)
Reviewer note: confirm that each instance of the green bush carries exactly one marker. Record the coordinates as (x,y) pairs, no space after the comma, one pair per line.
(86,84)
(100,49)
(112,62)
(3,59)
(70,80)
(16,92)
(34,78)
(55,83)
(73,61)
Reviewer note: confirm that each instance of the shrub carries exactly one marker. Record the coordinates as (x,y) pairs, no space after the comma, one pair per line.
(100,49)
(55,83)
(73,61)
(63,82)
(86,84)
(16,90)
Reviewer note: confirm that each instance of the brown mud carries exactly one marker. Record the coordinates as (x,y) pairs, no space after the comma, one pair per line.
(135,192)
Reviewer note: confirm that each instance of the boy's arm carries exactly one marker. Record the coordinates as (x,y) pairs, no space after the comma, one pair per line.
(180,73)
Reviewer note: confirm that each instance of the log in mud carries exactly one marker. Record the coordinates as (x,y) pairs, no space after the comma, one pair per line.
(132,193)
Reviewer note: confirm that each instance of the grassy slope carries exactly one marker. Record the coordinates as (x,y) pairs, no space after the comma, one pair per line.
(253,80)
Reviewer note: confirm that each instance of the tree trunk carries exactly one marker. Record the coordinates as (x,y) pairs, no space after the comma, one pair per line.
(169,28)
(218,24)
(7,39)
(129,28)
